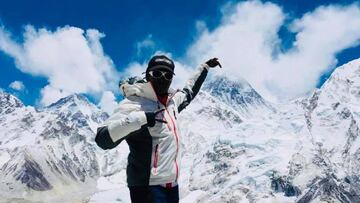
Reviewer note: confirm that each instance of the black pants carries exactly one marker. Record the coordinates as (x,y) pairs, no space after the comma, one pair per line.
(154,194)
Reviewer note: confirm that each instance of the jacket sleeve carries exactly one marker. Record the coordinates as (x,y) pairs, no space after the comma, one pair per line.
(187,94)
(118,126)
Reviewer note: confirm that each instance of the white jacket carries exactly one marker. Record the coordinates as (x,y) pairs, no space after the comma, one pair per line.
(154,151)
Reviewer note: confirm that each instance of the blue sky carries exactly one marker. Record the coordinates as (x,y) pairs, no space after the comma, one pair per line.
(171,27)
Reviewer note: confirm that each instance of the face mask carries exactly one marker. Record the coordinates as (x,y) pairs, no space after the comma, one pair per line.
(161,85)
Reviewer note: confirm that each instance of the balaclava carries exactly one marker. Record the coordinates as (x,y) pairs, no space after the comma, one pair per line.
(163,63)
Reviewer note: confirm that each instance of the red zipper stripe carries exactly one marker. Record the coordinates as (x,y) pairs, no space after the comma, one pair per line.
(177,147)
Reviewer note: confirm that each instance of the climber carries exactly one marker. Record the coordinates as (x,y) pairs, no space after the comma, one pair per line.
(147,120)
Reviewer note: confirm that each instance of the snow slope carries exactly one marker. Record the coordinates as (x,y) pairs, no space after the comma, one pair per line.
(236,147)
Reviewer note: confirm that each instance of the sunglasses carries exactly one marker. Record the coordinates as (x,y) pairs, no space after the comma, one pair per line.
(158,74)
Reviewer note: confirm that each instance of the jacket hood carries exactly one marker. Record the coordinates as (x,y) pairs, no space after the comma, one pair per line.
(136,86)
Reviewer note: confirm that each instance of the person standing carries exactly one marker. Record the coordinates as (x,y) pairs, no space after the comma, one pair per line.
(147,119)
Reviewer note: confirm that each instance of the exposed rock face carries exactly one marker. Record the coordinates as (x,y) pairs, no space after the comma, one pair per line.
(278,184)
(29,173)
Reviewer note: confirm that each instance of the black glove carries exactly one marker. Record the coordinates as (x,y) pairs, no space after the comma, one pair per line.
(213,63)
(151,117)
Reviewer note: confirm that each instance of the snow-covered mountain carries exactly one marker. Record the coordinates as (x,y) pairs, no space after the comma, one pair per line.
(238,95)
(237,162)
(236,147)
(305,150)
(48,150)
(333,115)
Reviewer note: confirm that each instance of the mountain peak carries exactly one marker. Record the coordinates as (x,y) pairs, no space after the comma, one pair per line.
(238,94)
(8,103)
(78,109)
(72,99)
(346,71)
(344,84)
(221,81)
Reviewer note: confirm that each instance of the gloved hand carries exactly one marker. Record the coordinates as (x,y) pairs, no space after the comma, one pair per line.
(151,117)
(213,63)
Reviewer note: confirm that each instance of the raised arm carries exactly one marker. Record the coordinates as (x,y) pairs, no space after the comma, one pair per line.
(193,85)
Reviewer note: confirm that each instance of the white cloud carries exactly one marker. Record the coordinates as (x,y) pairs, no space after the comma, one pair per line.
(17,85)
(70,58)
(50,94)
(247,39)
(246,42)
(108,102)
(134,69)
(145,46)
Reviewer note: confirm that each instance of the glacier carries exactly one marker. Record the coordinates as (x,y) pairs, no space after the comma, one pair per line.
(236,147)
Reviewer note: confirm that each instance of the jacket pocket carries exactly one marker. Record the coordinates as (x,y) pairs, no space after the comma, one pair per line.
(156,159)
(174,114)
